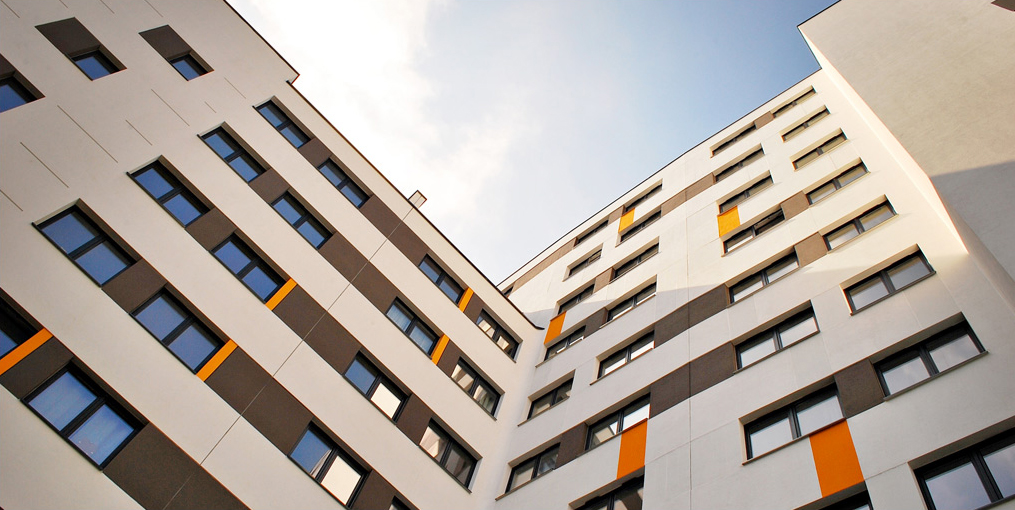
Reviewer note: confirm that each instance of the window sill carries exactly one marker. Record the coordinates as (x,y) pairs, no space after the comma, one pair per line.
(540,414)
(889,296)
(741,300)
(832,194)
(527,482)
(794,441)
(822,155)
(625,365)
(763,358)
(933,377)
(629,310)
(850,241)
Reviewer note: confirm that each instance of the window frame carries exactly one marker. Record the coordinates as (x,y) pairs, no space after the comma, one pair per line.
(886,280)
(576,299)
(823,148)
(478,382)
(190,319)
(742,134)
(791,412)
(14,326)
(741,197)
(554,398)
(192,62)
(756,229)
(239,153)
(414,323)
(974,455)
(537,462)
(641,200)
(306,217)
(626,305)
(497,333)
(179,189)
(637,260)
(640,226)
(345,182)
(609,500)
(335,452)
(255,262)
(774,334)
(102,236)
(627,353)
(591,232)
(807,94)
(801,127)
(618,416)
(286,123)
(100,56)
(858,225)
(442,277)
(584,263)
(379,379)
(763,274)
(922,351)
(739,164)
(453,444)
(836,183)
(572,338)
(18,86)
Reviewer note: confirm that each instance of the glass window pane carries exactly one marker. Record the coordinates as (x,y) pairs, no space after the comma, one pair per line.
(62,401)
(451,289)
(746,287)
(459,464)
(908,272)
(613,362)
(541,404)
(780,269)
(641,347)
(102,262)
(311,452)
(7,344)
(876,217)
(434,443)
(770,437)
(751,353)
(246,167)
(807,158)
(423,338)
(821,192)
(360,376)
(188,67)
(818,415)
(333,173)
(563,392)
(161,317)
(183,209)
(232,256)
(193,346)
(70,232)
(839,236)
(218,143)
(959,487)
(628,499)
(547,461)
(272,114)
(294,135)
(354,194)
(633,416)
(462,377)
(94,65)
(12,95)
(262,283)
(153,182)
(793,132)
(485,326)
(645,294)
(290,211)
(103,432)
(793,333)
(851,175)
(341,479)
(604,432)
(430,270)
(521,474)
(1002,466)
(953,353)
(620,309)
(485,396)
(399,317)
(867,293)
(905,375)
(738,239)
(312,233)
(387,399)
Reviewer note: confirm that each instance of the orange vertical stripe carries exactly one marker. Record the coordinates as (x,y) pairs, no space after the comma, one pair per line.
(835,459)
(281,294)
(465,299)
(556,324)
(212,365)
(728,220)
(632,449)
(20,352)
(626,220)
(439,351)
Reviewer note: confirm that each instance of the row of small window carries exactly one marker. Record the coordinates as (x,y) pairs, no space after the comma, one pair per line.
(617,271)
(742,134)
(630,231)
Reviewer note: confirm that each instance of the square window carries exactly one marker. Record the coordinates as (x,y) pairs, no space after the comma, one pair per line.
(94,64)
(188,67)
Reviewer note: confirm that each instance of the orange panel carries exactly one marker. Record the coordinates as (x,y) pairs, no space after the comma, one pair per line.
(465,299)
(632,449)
(281,294)
(439,351)
(216,360)
(553,330)
(728,220)
(626,220)
(20,352)
(835,459)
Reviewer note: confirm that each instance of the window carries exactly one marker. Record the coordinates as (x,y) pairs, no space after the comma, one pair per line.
(274,115)
(377,388)
(628,497)
(177,200)
(735,200)
(743,162)
(626,267)
(791,422)
(188,67)
(86,245)
(805,124)
(397,505)
(83,415)
(331,171)
(763,225)
(94,64)
(736,138)
(786,333)
(574,300)
(312,230)
(595,230)
(542,462)
(866,221)
(182,333)
(972,478)
(321,458)
(888,281)
(627,354)
(836,183)
(13,94)
(632,230)
(631,302)
(14,329)
(575,269)
(640,200)
(617,422)
(861,501)
(415,329)
(928,358)
(475,386)
(448,453)
(766,276)
(824,148)
(550,399)
(571,339)
(441,278)
(255,273)
(176,51)
(235,156)
(498,334)
(801,98)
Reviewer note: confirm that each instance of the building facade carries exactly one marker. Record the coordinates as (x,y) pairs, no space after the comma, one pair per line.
(211,299)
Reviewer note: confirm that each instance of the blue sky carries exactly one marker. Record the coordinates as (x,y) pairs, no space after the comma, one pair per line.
(520,119)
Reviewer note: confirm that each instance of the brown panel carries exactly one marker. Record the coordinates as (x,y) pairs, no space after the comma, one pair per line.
(375,287)
(134,286)
(449,359)
(707,305)
(6,68)
(615,215)
(299,311)
(594,321)
(414,418)
(315,152)
(211,229)
(712,368)
(543,264)
(572,444)
(673,324)
(859,388)
(166,41)
(238,380)
(378,213)
(69,36)
(151,468)
(332,342)
(36,368)
(1005,4)
(673,202)
(764,119)
(475,306)
(602,280)
(810,249)
(701,185)
(203,491)
(410,244)
(343,256)
(277,415)
(670,390)
(376,493)
(269,185)
(795,205)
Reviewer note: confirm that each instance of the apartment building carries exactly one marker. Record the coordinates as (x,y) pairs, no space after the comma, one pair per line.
(211,299)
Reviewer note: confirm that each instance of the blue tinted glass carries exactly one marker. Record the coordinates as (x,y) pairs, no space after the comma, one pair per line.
(11,96)
(153,182)
(451,289)
(399,317)
(102,262)
(311,452)
(272,114)
(230,255)
(182,209)
(288,210)
(361,376)
(218,143)
(331,172)
(62,401)
(246,167)
(259,281)
(7,344)
(1002,466)
(161,317)
(354,194)
(94,65)
(423,338)
(70,232)
(188,67)
(959,487)
(431,271)
(102,433)
(294,135)
(311,233)
(193,346)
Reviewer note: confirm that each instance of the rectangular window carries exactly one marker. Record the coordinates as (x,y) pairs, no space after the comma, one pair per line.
(641,200)
(628,304)
(293,212)
(233,154)
(340,180)
(629,496)
(14,329)
(564,343)
(839,181)
(786,333)
(575,269)
(74,40)
(539,464)
(475,386)
(763,225)
(415,329)
(617,422)
(627,354)
(551,398)
(587,235)
(84,243)
(805,124)
(321,458)
(824,148)
(574,300)
(795,420)
(178,329)
(176,51)
(375,386)
(188,67)
(766,276)
(928,358)
(888,281)
(736,138)
(167,190)
(735,200)
(458,462)
(741,163)
(441,279)
(866,221)
(801,98)
(95,64)
(498,334)
(283,124)
(84,415)
(255,273)
(626,267)
(14,94)
(634,229)
(972,478)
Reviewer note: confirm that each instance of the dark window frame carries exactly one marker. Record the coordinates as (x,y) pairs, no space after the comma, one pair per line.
(623,307)
(179,189)
(441,277)
(739,198)
(791,412)
(17,85)
(774,335)
(801,127)
(572,338)
(797,100)
(591,232)
(633,230)
(739,164)
(192,62)
(618,417)
(574,300)
(742,134)
(584,263)
(887,281)
(641,200)
(922,350)
(498,333)
(345,184)
(306,217)
(764,275)
(14,326)
(478,382)
(609,500)
(558,394)
(239,153)
(101,56)
(379,379)
(972,455)
(453,444)
(627,353)
(634,262)
(190,320)
(286,123)
(858,225)
(836,183)
(824,148)
(336,452)
(414,323)
(536,462)
(102,237)
(756,229)
(256,262)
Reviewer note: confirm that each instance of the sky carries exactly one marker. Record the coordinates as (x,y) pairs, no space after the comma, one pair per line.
(520,119)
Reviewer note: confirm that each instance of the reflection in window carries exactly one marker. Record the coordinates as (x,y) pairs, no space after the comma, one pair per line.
(972,478)
(837,183)
(629,496)
(280,121)
(94,64)
(296,215)
(255,273)
(340,180)
(14,329)
(631,302)
(170,323)
(235,156)
(448,453)
(617,422)
(766,276)
(627,354)
(796,420)
(534,467)
(475,386)
(550,399)
(569,340)
(441,279)
(167,190)
(375,386)
(859,225)
(412,326)
(321,458)
(888,281)
(783,335)
(86,245)
(930,357)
